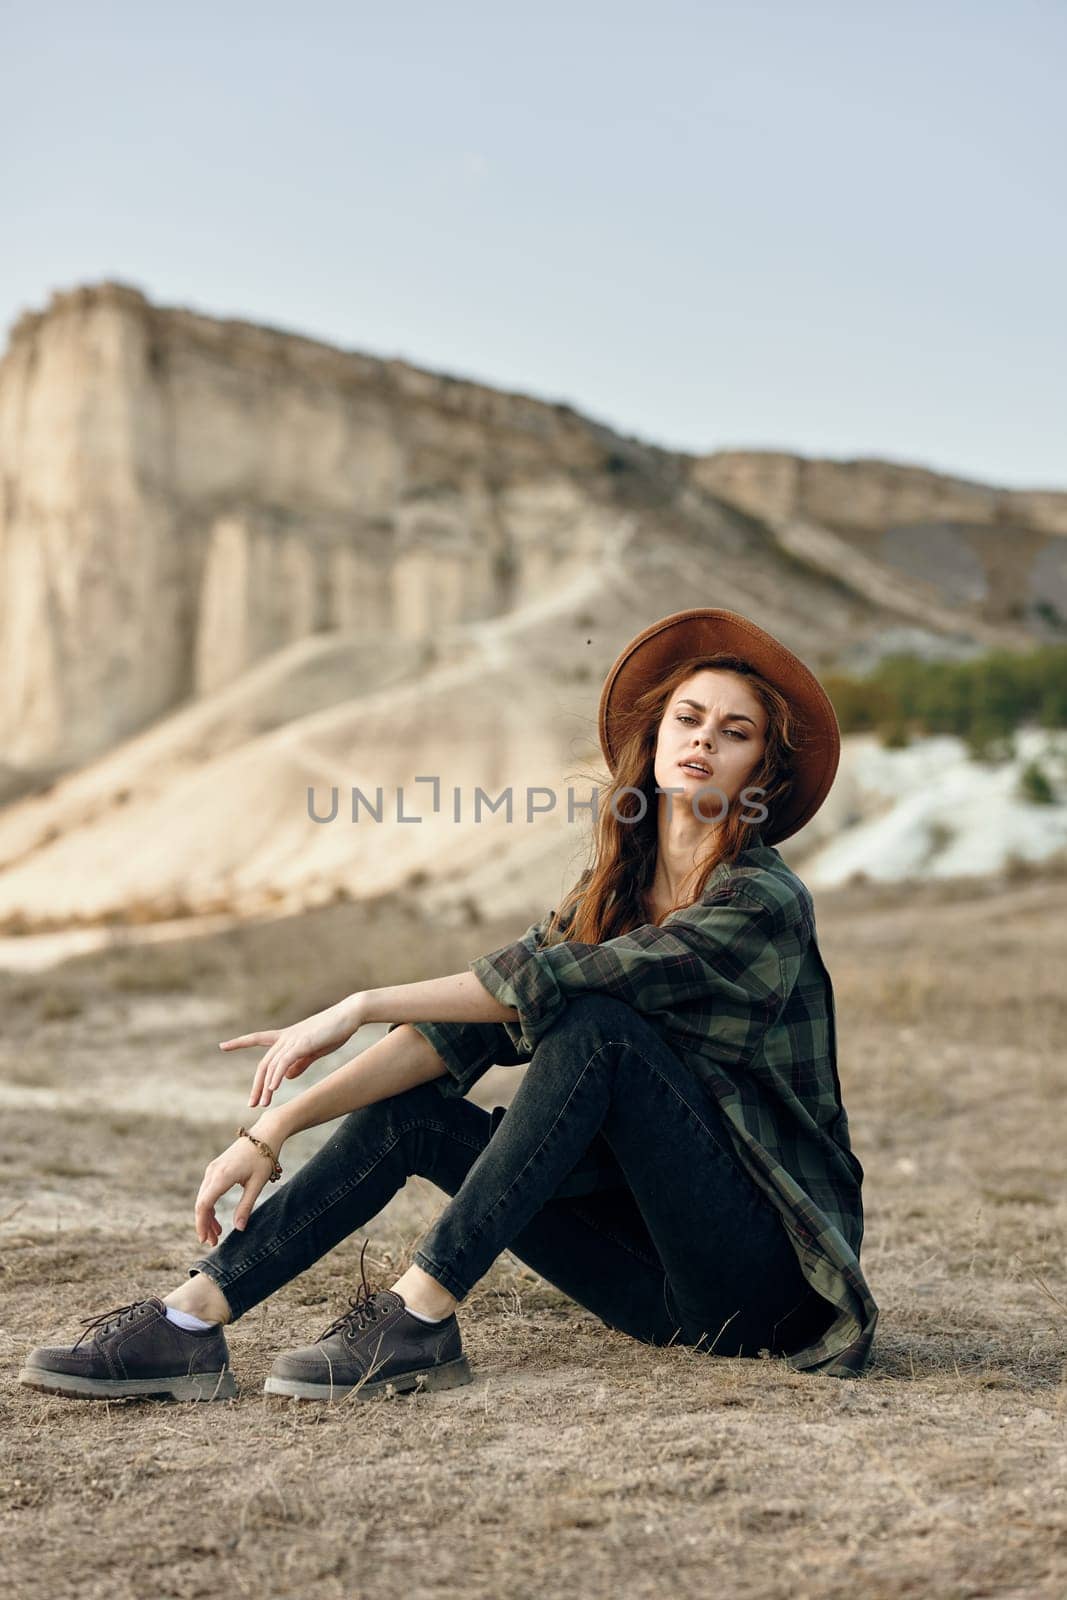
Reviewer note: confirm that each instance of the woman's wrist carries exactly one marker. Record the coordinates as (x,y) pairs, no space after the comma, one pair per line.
(354,1007)
(272,1127)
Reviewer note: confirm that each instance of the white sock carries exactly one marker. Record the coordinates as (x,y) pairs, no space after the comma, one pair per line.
(185,1319)
(420,1315)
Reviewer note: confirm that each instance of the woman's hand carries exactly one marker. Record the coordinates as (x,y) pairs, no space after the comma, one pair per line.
(243,1163)
(292,1050)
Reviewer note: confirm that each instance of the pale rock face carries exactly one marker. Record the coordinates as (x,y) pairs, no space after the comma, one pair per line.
(934,548)
(258,592)
(182,497)
(869,495)
(237,564)
(91,626)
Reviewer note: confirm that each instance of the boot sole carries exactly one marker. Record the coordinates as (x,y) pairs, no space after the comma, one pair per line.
(193,1386)
(447,1375)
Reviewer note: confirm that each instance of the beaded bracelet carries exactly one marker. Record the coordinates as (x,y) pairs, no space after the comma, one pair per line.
(260,1144)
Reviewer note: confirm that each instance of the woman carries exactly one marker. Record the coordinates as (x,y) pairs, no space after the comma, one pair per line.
(676,1157)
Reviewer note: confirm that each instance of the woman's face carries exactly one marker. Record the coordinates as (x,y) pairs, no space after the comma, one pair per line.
(715,720)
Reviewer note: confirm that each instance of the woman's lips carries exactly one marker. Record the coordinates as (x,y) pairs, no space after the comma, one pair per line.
(693,772)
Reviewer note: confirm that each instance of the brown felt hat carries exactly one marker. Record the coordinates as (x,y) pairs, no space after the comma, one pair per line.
(707,631)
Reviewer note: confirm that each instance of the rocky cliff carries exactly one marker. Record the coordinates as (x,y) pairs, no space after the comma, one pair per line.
(236,562)
(184,496)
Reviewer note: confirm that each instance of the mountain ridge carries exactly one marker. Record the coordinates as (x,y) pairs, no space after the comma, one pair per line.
(211,532)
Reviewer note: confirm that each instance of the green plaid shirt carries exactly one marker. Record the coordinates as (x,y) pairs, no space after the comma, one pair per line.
(736,985)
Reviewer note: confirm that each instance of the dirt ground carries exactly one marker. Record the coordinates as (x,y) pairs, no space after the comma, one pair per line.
(579,1462)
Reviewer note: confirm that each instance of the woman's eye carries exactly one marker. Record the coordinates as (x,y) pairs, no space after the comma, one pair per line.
(736,732)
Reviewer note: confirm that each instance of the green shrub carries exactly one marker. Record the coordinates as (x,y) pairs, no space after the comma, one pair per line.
(987,741)
(1034,785)
(981,701)
(895,737)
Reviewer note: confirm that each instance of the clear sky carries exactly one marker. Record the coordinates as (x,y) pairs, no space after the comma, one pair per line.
(837,229)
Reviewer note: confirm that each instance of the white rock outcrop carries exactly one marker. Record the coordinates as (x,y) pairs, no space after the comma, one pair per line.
(236,563)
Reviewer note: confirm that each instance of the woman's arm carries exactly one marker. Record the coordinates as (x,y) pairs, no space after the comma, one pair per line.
(399,1061)
(461,997)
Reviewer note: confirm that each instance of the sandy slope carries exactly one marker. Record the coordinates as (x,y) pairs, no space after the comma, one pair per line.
(209,809)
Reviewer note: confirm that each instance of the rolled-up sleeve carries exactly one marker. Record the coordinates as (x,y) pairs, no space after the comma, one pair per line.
(723,967)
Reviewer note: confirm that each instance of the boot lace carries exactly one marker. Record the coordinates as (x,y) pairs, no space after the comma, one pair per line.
(362,1311)
(109,1319)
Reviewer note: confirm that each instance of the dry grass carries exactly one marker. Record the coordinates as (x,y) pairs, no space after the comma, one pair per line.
(579,1462)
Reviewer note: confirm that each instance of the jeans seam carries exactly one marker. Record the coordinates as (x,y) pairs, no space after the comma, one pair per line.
(338,1194)
(441,1270)
(758,1194)
(651,1065)
(597,1227)
(470,1239)
(697,1118)
(614,1238)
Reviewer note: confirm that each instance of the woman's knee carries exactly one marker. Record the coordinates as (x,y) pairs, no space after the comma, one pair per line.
(605,1010)
(395,1113)
(599,1018)
(590,1021)
(421,1125)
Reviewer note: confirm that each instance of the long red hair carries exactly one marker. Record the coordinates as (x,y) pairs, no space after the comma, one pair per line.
(609,897)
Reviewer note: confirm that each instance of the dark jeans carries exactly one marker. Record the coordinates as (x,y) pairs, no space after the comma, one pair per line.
(676,1245)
